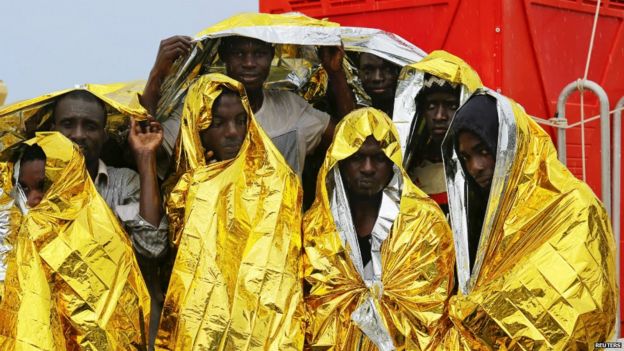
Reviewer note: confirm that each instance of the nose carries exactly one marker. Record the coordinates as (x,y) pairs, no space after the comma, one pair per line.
(367,167)
(476,165)
(441,114)
(377,75)
(248,61)
(77,134)
(231,130)
(34,198)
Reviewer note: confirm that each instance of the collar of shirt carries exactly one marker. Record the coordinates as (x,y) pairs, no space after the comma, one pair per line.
(102,175)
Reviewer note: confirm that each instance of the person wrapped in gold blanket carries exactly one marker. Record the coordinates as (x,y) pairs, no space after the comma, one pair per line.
(236,217)
(535,250)
(378,252)
(72,282)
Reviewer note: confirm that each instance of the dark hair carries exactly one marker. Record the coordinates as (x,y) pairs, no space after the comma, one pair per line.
(433,84)
(80,95)
(225,91)
(228,42)
(479,115)
(32,153)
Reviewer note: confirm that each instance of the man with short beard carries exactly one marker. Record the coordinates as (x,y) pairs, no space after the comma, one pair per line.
(379,80)
(377,251)
(134,198)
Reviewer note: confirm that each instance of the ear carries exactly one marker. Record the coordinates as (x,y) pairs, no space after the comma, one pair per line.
(272,52)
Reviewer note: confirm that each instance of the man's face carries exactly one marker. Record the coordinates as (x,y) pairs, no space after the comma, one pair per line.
(82,122)
(32,180)
(228,128)
(477,158)
(248,61)
(439,109)
(378,76)
(367,172)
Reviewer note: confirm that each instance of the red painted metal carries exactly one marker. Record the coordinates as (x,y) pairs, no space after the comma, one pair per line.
(528,49)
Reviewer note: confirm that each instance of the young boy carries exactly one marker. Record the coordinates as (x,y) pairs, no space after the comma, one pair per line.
(31,176)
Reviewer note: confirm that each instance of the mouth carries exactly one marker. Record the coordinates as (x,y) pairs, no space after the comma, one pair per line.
(249,77)
(232,147)
(379,90)
(484,181)
(439,130)
(366,183)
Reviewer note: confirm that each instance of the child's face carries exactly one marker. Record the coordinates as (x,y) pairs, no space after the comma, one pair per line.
(228,128)
(31,179)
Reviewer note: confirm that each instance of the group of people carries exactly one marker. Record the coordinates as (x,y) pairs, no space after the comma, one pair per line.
(441,218)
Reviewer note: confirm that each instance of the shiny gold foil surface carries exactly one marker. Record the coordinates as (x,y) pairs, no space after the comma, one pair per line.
(409,121)
(20,121)
(295,66)
(236,282)
(73,282)
(417,260)
(544,276)
(9,218)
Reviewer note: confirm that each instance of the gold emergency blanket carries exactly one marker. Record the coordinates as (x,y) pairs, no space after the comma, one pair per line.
(409,300)
(20,121)
(295,66)
(409,121)
(72,282)
(9,219)
(544,276)
(236,282)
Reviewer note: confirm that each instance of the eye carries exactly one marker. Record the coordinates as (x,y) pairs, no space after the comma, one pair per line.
(430,106)
(92,127)
(241,121)
(452,105)
(389,70)
(484,152)
(356,157)
(380,157)
(216,123)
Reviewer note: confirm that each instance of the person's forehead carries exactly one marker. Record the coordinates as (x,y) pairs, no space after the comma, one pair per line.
(32,169)
(370,145)
(78,108)
(240,42)
(372,60)
(469,140)
(441,96)
(227,103)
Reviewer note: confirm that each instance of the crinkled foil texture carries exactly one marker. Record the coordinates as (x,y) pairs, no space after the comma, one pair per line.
(73,282)
(417,257)
(295,67)
(10,218)
(236,281)
(544,276)
(408,120)
(20,121)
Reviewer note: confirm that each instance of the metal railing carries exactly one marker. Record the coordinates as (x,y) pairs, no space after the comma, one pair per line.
(616,218)
(610,168)
(605,133)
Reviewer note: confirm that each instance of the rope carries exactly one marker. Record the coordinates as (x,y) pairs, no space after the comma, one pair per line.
(550,123)
(580,86)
